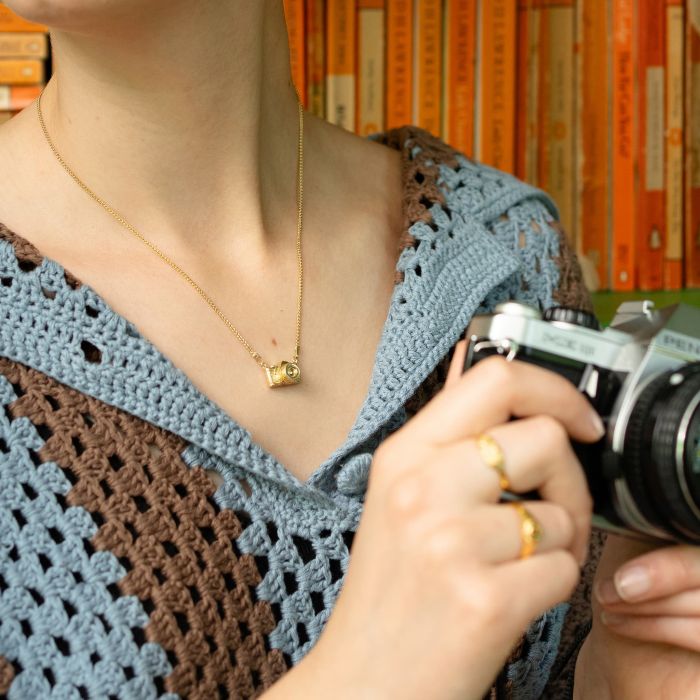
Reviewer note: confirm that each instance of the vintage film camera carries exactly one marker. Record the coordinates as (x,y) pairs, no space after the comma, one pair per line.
(642,375)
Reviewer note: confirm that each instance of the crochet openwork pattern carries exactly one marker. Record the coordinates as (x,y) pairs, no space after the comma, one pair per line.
(124,572)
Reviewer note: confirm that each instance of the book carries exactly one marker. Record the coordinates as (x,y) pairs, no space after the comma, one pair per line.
(651,134)
(340,67)
(496,83)
(370,66)
(399,63)
(459,55)
(316,57)
(673,254)
(556,172)
(11,22)
(14,98)
(23,45)
(294,15)
(623,127)
(21,71)
(427,65)
(692,142)
(531,98)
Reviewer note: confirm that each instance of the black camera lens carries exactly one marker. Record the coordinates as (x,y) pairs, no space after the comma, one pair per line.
(662,463)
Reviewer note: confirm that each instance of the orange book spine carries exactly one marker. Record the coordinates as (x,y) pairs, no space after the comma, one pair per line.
(692,140)
(316,57)
(556,119)
(10,22)
(23,44)
(399,63)
(522,88)
(593,156)
(13,98)
(460,54)
(427,67)
(370,66)
(673,254)
(21,71)
(497,83)
(294,14)
(341,29)
(532,105)
(651,131)
(623,147)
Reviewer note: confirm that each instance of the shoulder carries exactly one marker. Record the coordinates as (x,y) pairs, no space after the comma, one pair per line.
(523,219)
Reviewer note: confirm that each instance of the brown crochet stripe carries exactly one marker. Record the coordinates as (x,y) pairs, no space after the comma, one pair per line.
(158,517)
(7,675)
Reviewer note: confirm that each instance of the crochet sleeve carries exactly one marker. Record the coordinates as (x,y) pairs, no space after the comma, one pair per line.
(543,663)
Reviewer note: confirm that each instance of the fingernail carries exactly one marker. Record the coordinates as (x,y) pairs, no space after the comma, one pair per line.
(597,425)
(632,583)
(610,619)
(606,593)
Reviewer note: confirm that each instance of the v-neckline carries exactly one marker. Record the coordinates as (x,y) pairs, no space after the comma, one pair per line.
(389,382)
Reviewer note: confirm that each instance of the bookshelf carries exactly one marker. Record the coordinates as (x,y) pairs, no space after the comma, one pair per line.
(595,101)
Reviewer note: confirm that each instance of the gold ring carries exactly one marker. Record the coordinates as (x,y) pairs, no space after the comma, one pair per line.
(492,454)
(530,530)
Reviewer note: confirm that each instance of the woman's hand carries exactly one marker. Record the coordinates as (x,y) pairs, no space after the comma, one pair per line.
(645,642)
(436,595)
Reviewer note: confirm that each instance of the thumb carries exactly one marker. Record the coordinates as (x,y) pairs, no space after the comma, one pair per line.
(457,364)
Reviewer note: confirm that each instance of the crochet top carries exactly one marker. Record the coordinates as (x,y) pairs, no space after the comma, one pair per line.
(124,571)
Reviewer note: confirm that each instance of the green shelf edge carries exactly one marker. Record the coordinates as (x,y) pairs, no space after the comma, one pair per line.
(606,303)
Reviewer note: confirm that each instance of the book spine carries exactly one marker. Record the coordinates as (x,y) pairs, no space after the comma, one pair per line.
(294,14)
(21,71)
(370,74)
(497,83)
(460,41)
(340,63)
(399,63)
(522,87)
(673,255)
(692,140)
(593,155)
(316,57)
(651,129)
(623,151)
(14,98)
(556,138)
(10,22)
(427,66)
(23,45)
(532,106)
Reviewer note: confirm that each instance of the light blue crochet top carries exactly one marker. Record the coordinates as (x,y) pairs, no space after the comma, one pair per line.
(67,627)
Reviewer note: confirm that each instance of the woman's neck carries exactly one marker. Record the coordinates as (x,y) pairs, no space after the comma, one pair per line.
(182,116)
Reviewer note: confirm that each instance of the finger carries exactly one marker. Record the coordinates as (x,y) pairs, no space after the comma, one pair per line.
(495,390)
(681,632)
(496,530)
(537,455)
(682,604)
(456,364)
(658,574)
(537,584)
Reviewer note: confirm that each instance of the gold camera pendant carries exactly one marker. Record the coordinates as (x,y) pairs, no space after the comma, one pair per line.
(283,374)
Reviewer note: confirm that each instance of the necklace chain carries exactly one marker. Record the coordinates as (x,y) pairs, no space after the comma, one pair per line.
(119,218)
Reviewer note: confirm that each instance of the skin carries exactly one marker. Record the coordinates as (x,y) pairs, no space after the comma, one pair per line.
(167,112)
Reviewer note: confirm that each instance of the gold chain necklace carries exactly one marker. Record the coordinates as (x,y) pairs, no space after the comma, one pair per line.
(284,373)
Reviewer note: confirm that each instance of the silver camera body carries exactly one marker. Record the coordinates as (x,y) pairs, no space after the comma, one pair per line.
(642,374)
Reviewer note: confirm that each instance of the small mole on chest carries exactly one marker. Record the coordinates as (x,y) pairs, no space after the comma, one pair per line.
(274,342)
